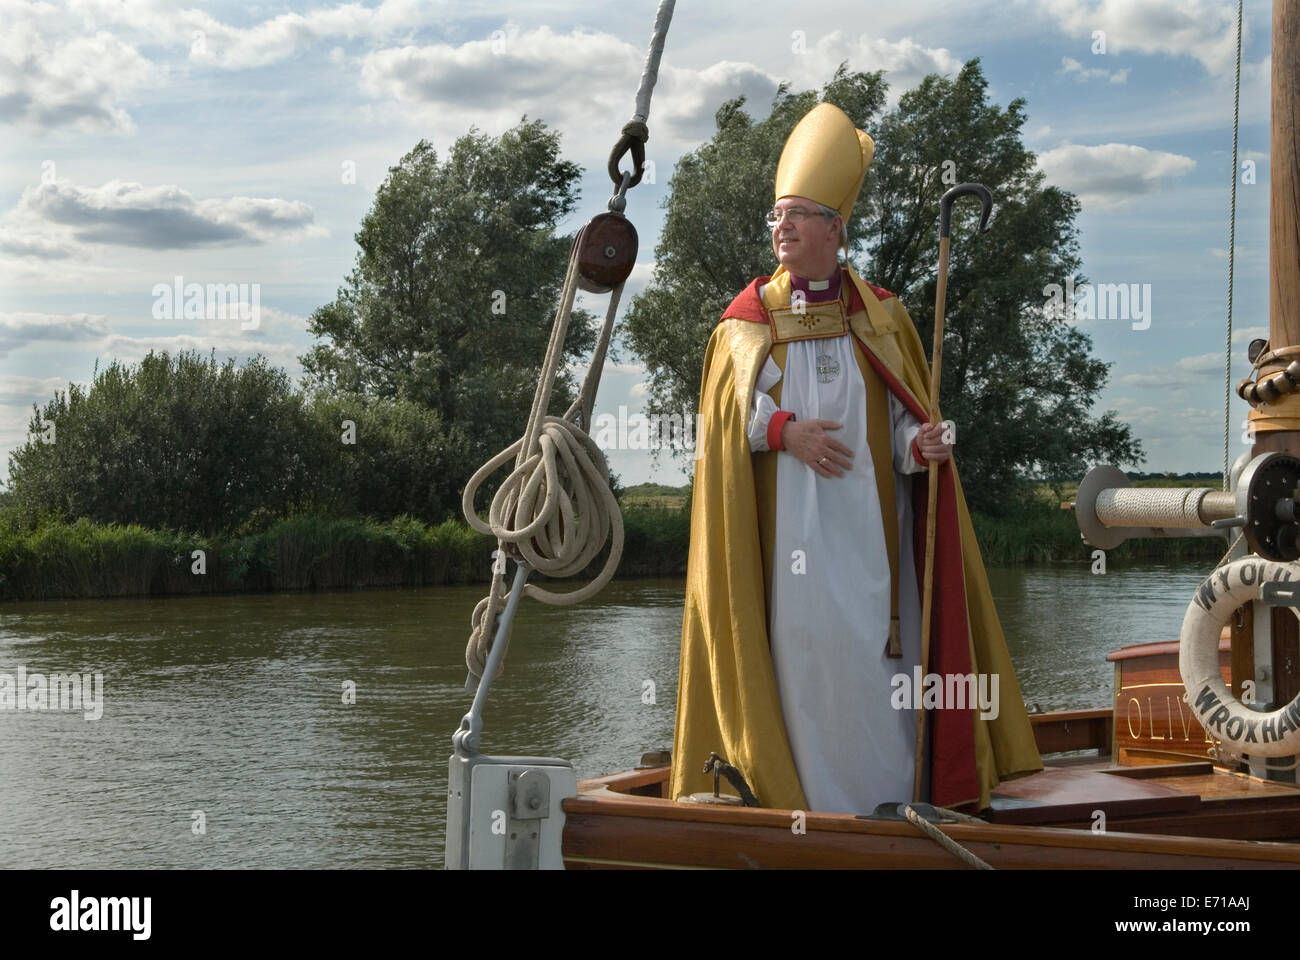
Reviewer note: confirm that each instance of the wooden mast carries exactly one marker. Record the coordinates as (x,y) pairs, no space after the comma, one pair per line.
(1284,283)
(1284,179)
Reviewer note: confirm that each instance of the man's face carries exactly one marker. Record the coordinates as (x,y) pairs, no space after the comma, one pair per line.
(807,248)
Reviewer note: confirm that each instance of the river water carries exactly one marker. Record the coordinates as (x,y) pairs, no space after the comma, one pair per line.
(313,730)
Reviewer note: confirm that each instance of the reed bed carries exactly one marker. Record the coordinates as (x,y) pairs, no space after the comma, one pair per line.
(316,552)
(305,552)
(308,552)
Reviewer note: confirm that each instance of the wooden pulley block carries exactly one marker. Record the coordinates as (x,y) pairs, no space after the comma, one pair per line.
(606,252)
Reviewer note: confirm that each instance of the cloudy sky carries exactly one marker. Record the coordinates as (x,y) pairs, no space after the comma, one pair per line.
(242,143)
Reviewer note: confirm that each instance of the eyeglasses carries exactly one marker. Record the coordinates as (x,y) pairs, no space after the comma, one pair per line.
(795,215)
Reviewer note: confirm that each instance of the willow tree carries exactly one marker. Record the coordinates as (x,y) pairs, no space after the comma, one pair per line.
(450,303)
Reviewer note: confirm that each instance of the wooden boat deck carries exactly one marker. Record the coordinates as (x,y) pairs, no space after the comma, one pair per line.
(624,822)
(1183,799)
(1161,814)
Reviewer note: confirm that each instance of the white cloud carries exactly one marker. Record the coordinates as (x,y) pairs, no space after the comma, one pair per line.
(271,323)
(541,72)
(1221,253)
(78,64)
(690,98)
(163,217)
(1189,438)
(904,61)
(19,245)
(1201,365)
(20,329)
(488,81)
(635,369)
(1111,174)
(51,78)
(22,391)
(1202,29)
(133,349)
(1070,66)
(491,82)
(1152,380)
(1131,414)
(280,37)
(209,40)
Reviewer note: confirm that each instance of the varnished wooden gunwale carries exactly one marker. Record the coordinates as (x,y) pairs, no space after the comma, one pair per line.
(603,800)
(610,826)
(604,828)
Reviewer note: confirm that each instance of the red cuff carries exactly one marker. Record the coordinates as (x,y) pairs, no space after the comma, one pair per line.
(774,429)
(916,452)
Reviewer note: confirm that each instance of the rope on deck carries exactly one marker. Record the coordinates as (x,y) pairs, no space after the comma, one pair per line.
(942,839)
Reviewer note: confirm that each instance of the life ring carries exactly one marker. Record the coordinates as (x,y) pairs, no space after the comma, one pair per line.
(1241,729)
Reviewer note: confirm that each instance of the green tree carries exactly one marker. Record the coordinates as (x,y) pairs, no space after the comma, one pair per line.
(451,301)
(384,458)
(174,441)
(1019,384)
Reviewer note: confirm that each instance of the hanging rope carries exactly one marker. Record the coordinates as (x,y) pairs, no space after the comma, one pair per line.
(555,511)
(1232,255)
(635,132)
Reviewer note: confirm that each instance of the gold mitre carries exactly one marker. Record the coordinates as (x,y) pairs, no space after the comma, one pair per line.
(825,159)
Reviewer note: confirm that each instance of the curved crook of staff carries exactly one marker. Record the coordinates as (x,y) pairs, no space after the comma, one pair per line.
(936,362)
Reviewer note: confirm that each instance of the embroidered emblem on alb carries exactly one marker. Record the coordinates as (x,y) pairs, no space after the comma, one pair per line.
(828,368)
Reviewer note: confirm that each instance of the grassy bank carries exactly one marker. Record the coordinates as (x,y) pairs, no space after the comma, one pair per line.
(86,559)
